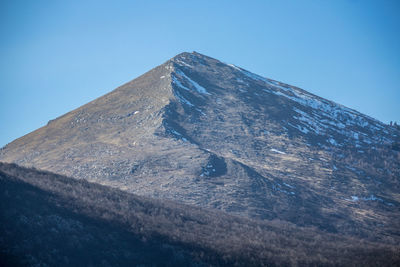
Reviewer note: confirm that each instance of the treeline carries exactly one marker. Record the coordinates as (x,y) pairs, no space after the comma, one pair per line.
(48,219)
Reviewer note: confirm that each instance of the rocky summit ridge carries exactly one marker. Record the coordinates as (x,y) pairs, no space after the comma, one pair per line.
(211,134)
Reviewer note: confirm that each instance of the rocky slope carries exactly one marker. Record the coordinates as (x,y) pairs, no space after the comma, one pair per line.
(211,134)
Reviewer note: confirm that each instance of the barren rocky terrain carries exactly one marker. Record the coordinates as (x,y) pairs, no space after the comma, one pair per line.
(210,134)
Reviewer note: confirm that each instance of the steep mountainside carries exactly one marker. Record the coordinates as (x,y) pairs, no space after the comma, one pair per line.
(52,220)
(211,134)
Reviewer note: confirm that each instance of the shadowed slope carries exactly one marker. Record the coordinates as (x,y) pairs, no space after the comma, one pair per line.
(55,220)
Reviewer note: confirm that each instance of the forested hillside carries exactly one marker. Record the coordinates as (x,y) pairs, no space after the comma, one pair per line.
(49,219)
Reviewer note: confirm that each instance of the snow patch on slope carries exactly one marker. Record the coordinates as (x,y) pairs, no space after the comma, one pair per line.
(277,151)
(179,84)
(325,115)
(183,63)
(369,198)
(182,99)
(194,84)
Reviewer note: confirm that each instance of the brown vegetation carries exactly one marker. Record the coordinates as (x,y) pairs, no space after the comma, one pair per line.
(192,235)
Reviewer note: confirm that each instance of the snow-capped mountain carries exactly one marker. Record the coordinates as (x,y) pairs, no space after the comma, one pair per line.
(212,134)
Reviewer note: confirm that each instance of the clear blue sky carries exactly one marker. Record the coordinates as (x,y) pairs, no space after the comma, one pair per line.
(58,55)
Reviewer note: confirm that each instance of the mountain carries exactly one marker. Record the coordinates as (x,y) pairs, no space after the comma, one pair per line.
(53,220)
(210,134)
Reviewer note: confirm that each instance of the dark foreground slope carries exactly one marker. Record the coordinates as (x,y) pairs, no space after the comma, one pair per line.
(48,219)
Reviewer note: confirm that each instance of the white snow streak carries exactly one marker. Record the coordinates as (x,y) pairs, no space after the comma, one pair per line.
(182,99)
(183,63)
(198,87)
(277,151)
(178,83)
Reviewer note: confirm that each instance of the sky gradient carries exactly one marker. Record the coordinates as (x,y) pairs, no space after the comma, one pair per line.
(59,55)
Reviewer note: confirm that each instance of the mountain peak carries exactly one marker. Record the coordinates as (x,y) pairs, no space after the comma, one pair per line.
(187,59)
(193,53)
(215,135)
